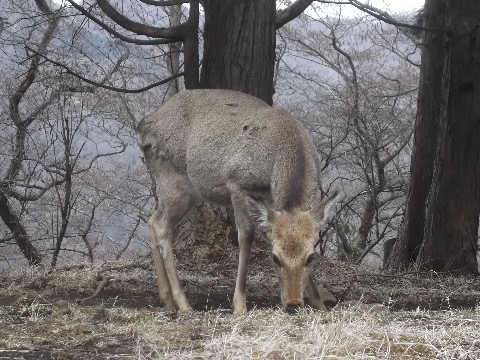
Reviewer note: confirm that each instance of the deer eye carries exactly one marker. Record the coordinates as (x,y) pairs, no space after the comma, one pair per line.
(276,260)
(310,260)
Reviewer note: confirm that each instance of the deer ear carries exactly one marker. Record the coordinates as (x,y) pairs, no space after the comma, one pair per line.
(263,216)
(325,210)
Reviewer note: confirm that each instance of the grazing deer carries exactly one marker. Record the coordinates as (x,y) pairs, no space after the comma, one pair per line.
(232,149)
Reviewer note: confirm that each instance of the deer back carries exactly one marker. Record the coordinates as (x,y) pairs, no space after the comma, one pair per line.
(221,137)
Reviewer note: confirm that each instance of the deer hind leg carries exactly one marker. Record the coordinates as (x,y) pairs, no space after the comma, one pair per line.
(163,285)
(246,235)
(176,200)
(315,299)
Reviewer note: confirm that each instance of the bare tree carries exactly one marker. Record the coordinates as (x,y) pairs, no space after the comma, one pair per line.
(368,101)
(59,136)
(21,123)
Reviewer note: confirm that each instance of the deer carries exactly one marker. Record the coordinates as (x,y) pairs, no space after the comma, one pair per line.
(231,149)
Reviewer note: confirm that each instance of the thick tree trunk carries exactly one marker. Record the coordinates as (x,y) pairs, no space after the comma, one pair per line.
(239,54)
(239,49)
(441,220)
(451,228)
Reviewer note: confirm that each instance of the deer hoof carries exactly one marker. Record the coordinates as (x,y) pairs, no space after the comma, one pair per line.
(239,311)
(185,308)
(319,305)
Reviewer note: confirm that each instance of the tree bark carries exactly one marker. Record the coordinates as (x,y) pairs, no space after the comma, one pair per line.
(441,220)
(451,228)
(239,48)
(190,48)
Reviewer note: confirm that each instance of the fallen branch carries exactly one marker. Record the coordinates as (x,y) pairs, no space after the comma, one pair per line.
(104,280)
(103,283)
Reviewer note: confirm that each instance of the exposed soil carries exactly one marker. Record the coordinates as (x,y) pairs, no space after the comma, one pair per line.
(42,315)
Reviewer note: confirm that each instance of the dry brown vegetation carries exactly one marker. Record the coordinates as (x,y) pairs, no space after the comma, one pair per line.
(425,316)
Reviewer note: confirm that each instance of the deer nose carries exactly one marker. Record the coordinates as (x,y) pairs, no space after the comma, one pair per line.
(293,308)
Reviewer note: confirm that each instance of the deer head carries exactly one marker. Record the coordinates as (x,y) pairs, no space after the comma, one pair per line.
(293,235)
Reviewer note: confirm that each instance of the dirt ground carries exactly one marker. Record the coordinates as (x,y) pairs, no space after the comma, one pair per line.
(55,316)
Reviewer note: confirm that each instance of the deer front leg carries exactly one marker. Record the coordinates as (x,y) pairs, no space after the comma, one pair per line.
(315,298)
(245,241)
(246,233)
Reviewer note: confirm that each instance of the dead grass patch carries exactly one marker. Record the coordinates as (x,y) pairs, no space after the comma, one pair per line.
(429,316)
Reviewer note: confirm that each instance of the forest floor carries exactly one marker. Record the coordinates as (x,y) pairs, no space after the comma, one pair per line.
(55,315)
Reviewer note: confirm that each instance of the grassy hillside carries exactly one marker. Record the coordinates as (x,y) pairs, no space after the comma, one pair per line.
(56,316)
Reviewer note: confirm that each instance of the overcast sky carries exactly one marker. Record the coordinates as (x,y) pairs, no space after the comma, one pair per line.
(398,5)
(392,7)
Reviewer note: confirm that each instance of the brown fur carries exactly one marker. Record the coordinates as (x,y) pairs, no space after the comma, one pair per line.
(232,149)
(294,232)
(293,238)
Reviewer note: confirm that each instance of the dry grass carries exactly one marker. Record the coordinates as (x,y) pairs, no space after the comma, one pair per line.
(346,334)
(40,315)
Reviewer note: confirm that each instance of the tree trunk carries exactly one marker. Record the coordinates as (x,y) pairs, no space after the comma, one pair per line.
(239,49)
(366,224)
(239,54)
(190,48)
(441,220)
(451,228)
(19,233)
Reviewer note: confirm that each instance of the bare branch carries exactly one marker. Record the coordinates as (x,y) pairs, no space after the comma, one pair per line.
(291,12)
(108,87)
(88,228)
(16,98)
(385,161)
(165,2)
(7,239)
(374,243)
(129,239)
(174,33)
(115,33)
(385,17)
(346,77)
(54,183)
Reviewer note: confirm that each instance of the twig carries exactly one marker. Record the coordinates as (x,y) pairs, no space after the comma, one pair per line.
(104,281)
